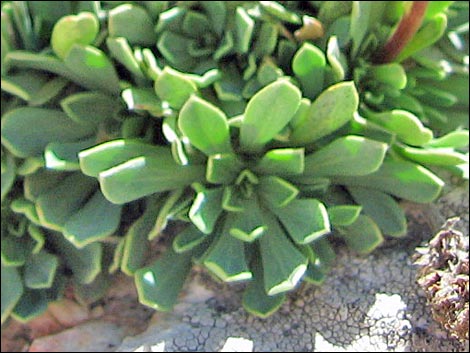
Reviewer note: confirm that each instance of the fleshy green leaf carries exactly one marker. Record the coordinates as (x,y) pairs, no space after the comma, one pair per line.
(282,162)
(136,241)
(363,236)
(392,74)
(223,168)
(381,208)
(206,209)
(94,221)
(343,215)
(350,155)
(267,113)
(306,220)
(92,68)
(64,156)
(428,34)
(40,182)
(333,108)
(12,290)
(32,304)
(120,50)
(247,225)
(120,22)
(57,205)
(78,107)
(165,213)
(405,125)
(143,176)
(73,29)
(226,258)
(40,270)
(97,159)
(255,299)
(206,126)
(188,239)
(49,126)
(159,284)
(309,66)
(454,139)
(432,156)
(173,87)
(283,264)
(276,191)
(399,178)
(84,263)
(244,27)
(142,99)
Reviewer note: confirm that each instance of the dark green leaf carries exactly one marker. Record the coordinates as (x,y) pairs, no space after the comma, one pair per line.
(249,224)
(206,126)
(267,113)
(143,176)
(305,220)
(173,87)
(40,270)
(49,126)
(92,68)
(136,241)
(343,215)
(363,236)
(85,263)
(109,154)
(120,22)
(255,299)
(73,29)
(276,191)
(400,178)
(90,107)
(142,99)
(64,156)
(309,66)
(282,162)
(283,264)
(244,27)
(206,209)
(12,289)
(333,108)
(96,220)
(120,49)
(188,239)
(32,304)
(229,268)
(223,168)
(382,208)
(350,155)
(57,205)
(159,284)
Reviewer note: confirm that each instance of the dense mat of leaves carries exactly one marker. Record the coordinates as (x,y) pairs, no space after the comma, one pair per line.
(267,128)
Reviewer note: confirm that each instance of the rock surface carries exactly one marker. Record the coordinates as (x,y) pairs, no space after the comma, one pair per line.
(370,304)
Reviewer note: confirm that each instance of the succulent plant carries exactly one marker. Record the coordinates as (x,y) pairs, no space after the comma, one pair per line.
(260,198)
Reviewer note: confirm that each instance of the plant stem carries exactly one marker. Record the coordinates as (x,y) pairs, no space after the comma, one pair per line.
(405,31)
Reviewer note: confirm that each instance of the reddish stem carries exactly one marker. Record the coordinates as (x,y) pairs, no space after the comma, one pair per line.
(405,31)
